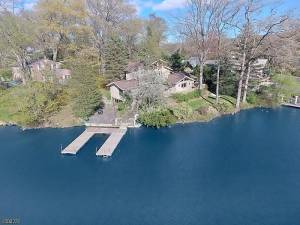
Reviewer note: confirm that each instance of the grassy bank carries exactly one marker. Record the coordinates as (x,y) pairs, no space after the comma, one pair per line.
(37,105)
(187,107)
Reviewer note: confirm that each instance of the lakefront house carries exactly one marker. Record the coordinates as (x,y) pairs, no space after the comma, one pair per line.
(41,70)
(175,82)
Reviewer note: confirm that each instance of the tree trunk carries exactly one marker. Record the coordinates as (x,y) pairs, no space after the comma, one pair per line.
(246,83)
(22,65)
(240,85)
(201,75)
(218,83)
(102,66)
(55,54)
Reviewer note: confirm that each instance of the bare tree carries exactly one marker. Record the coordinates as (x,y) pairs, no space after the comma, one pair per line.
(11,5)
(130,32)
(198,27)
(106,17)
(226,10)
(283,49)
(151,87)
(254,30)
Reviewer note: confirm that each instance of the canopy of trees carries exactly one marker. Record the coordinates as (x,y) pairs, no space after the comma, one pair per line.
(97,38)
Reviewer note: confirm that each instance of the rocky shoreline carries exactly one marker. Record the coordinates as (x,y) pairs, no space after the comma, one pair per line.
(49,125)
(3,124)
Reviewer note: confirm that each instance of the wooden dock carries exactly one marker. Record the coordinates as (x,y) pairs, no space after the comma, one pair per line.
(110,144)
(107,148)
(292,105)
(78,143)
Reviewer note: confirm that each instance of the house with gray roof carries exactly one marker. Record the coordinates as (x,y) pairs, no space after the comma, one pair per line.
(174,83)
(118,89)
(179,82)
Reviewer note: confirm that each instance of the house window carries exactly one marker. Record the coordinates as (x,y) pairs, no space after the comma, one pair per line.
(183,85)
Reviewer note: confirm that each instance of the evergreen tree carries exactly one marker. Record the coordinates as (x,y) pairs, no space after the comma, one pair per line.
(116,59)
(86,94)
(176,60)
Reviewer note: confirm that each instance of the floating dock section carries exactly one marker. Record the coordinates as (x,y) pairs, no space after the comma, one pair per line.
(78,143)
(106,149)
(292,105)
(110,144)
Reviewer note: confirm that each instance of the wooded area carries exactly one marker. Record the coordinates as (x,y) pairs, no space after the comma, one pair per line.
(96,39)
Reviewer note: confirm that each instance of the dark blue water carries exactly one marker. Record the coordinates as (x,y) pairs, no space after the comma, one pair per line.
(235,170)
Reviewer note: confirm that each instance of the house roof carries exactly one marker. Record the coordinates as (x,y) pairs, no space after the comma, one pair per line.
(134,66)
(175,78)
(194,61)
(124,85)
(161,63)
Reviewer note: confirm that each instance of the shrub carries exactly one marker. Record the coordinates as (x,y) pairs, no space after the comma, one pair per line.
(182,112)
(6,74)
(203,110)
(157,118)
(252,98)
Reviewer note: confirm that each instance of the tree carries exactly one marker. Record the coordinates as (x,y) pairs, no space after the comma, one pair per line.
(131,30)
(59,23)
(116,59)
(176,61)
(84,85)
(88,98)
(16,40)
(150,50)
(106,18)
(197,26)
(253,33)
(226,11)
(283,48)
(150,90)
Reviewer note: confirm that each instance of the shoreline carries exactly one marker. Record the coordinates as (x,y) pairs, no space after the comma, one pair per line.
(45,126)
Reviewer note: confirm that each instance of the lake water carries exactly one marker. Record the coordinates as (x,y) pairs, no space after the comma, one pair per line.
(235,170)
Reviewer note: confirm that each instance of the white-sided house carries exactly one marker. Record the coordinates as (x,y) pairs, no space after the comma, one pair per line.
(133,70)
(161,67)
(119,88)
(179,82)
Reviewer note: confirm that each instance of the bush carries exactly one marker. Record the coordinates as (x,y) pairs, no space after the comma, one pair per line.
(203,110)
(180,97)
(157,118)
(6,74)
(252,98)
(182,112)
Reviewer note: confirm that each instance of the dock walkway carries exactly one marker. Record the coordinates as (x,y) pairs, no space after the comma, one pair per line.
(110,144)
(107,148)
(292,105)
(78,143)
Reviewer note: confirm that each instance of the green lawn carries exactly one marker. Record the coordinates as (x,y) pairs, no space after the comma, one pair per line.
(197,103)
